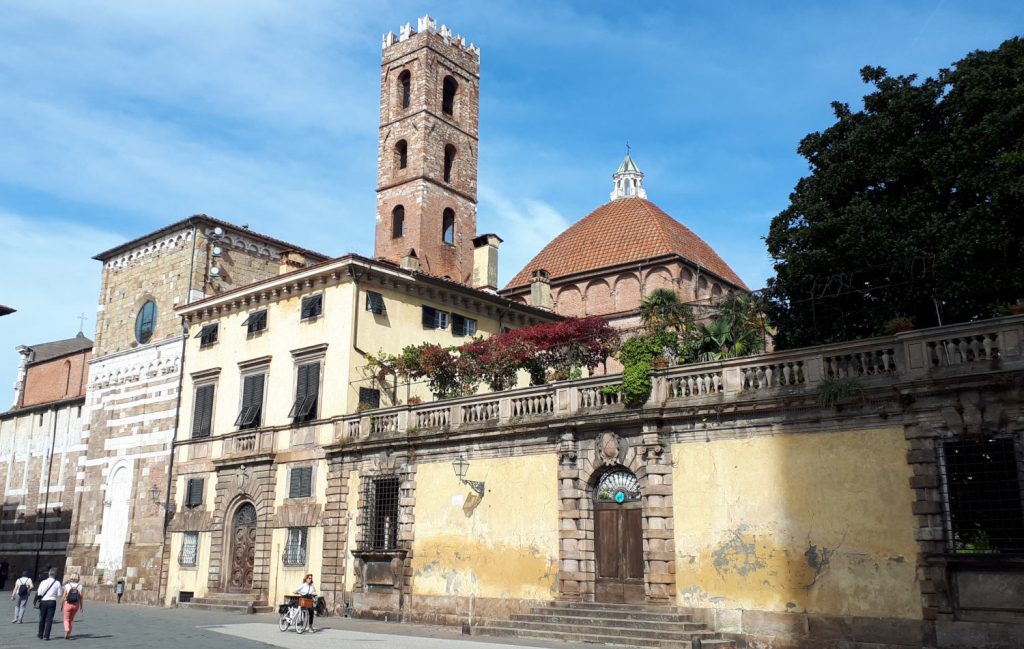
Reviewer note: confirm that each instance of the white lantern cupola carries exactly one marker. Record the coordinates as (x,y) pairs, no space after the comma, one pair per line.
(629,180)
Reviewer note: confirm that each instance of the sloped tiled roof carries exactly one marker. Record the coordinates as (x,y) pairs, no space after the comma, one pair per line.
(623,231)
(46,351)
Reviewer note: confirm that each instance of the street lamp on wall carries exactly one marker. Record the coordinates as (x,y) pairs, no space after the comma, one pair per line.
(461,467)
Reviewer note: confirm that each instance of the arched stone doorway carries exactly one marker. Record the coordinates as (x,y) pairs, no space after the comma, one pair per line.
(618,537)
(242,548)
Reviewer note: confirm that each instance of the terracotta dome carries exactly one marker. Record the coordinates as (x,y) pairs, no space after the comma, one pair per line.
(620,232)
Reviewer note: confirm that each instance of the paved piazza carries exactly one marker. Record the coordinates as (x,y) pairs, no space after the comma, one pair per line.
(109,626)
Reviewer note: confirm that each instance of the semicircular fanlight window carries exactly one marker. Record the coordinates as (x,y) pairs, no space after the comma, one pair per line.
(617,487)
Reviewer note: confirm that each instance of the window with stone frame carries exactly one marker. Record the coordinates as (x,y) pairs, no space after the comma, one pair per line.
(982,479)
(300,482)
(208,335)
(194,492)
(295,547)
(189,555)
(256,322)
(312,306)
(307,390)
(202,411)
(381,532)
(250,414)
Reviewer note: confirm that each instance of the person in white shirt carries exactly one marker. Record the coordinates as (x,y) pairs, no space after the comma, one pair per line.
(19,596)
(307,590)
(50,592)
(74,603)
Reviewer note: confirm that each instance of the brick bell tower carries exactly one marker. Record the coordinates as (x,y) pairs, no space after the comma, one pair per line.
(427,156)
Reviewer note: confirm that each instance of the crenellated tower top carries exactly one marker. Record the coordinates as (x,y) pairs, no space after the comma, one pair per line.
(428,25)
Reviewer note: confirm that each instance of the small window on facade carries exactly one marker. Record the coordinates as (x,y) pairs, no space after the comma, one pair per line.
(369,398)
(189,549)
(374,302)
(401,154)
(312,306)
(145,322)
(300,482)
(194,493)
(450,88)
(307,388)
(449,162)
(382,524)
(397,222)
(434,318)
(463,326)
(249,416)
(983,492)
(405,88)
(202,413)
(256,322)
(448,226)
(295,547)
(208,334)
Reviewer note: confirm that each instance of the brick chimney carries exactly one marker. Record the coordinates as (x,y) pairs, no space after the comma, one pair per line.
(290,260)
(485,261)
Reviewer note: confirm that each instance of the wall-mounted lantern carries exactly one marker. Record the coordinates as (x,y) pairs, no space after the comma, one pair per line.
(461,467)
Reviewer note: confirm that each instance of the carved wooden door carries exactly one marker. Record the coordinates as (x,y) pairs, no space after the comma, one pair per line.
(618,542)
(243,548)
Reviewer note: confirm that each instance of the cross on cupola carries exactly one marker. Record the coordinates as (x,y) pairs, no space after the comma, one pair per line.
(629,180)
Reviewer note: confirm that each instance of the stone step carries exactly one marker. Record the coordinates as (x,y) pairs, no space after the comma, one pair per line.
(226,608)
(654,632)
(226,601)
(638,615)
(708,641)
(604,606)
(607,621)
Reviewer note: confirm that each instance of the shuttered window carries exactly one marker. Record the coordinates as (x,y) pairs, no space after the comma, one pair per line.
(463,326)
(307,387)
(312,306)
(250,415)
(194,493)
(208,334)
(434,319)
(202,413)
(374,302)
(301,482)
(256,322)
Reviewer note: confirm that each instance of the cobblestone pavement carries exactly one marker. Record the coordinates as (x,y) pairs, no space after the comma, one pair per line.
(109,626)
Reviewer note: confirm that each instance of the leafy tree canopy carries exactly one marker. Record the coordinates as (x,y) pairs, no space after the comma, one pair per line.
(912,209)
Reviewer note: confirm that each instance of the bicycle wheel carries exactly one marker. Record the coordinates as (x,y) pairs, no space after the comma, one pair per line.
(283,623)
(303,622)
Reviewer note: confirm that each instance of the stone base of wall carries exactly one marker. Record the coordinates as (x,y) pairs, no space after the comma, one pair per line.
(456,611)
(141,573)
(961,634)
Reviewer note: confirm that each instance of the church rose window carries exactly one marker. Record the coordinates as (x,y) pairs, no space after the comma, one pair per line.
(617,487)
(145,322)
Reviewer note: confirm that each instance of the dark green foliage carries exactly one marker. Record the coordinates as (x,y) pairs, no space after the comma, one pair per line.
(738,328)
(636,383)
(913,207)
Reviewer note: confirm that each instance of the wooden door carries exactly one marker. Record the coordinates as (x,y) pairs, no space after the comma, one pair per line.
(243,549)
(619,552)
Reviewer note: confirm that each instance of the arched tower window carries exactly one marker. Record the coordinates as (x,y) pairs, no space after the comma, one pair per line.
(397,222)
(401,154)
(145,322)
(405,88)
(448,226)
(451,86)
(449,162)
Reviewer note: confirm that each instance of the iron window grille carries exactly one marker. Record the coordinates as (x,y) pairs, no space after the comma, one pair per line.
(256,322)
(208,335)
(463,326)
(194,493)
(307,387)
(382,516)
(434,318)
(189,555)
(202,414)
(295,547)
(300,482)
(312,306)
(375,302)
(982,480)
(252,402)
(369,398)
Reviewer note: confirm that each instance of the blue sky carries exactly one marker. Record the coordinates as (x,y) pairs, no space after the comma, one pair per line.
(119,117)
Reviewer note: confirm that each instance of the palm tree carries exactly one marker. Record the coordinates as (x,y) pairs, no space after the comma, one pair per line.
(738,329)
(663,309)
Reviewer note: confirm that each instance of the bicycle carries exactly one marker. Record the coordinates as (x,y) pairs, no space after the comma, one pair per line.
(296,614)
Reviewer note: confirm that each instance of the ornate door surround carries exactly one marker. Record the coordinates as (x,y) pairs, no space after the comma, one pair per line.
(242,549)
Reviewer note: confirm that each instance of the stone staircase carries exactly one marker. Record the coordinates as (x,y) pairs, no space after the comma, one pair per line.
(229,602)
(631,625)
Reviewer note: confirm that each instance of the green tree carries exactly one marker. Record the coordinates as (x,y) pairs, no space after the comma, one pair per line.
(738,328)
(913,206)
(663,309)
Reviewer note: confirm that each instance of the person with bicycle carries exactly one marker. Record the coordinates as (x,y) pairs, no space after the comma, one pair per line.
(307,592)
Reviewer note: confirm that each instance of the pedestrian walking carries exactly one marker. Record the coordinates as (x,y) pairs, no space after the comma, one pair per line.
(119,589)
(19,595)
(308,591)
(74,603)
(47,596)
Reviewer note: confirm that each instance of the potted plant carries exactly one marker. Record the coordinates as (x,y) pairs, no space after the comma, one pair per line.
(414,400)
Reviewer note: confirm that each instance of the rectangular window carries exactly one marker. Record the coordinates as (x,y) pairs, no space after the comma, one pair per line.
(312,306)
(434,319)
(256,322)
(463,326)
(982,479)
(300,482)
(307,387)
(208,334)
(202,413)
(382,524)
(295,547)
(189,549)
(374,302)
(194,493)
(369,398)
(250,414)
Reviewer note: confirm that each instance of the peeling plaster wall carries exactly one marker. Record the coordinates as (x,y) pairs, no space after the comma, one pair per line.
(504,545)
(801,523)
